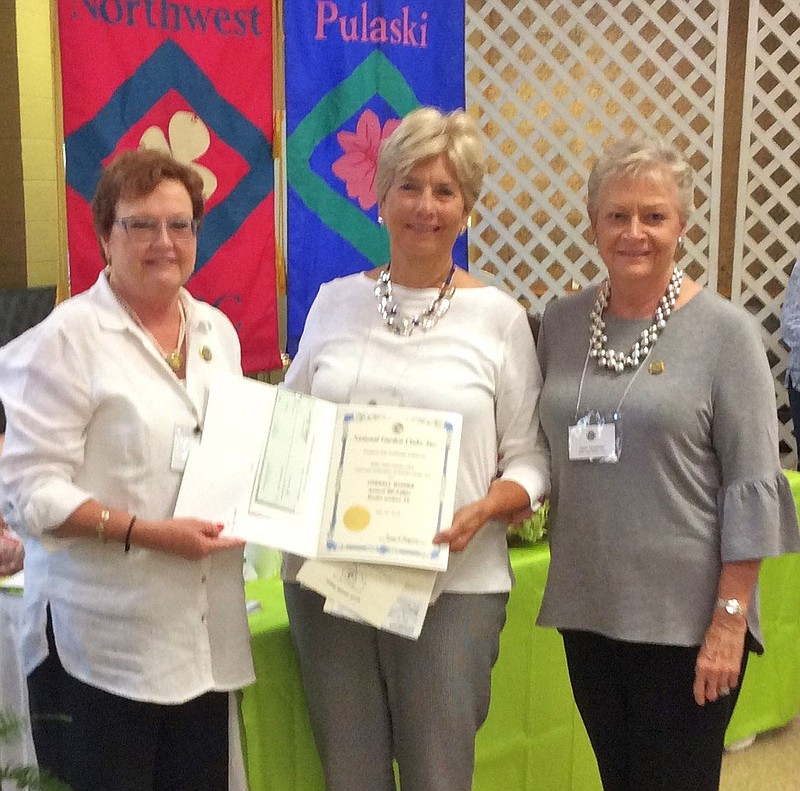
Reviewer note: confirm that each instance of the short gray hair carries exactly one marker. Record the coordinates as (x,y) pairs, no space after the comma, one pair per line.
(427,132)
(643,154)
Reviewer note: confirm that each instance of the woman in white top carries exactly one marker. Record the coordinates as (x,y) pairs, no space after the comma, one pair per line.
(421,332)
(135,626)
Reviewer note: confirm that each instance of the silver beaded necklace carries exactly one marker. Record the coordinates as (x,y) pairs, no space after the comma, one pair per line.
(619,361)
(405,324)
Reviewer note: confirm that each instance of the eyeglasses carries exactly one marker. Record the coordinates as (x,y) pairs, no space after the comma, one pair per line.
(148,229)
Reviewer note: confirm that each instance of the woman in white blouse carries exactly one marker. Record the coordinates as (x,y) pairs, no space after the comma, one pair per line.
(422,332)
(135,626)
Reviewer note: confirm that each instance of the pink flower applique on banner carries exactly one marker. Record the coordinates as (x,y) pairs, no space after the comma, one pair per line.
(359,163)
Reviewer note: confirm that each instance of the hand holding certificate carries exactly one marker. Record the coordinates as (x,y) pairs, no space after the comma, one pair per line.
(344,482)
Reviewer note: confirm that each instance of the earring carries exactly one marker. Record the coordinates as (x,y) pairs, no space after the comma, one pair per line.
(380,220)
(680,242)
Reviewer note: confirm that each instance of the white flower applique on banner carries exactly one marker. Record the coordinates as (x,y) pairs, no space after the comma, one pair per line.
(188,139)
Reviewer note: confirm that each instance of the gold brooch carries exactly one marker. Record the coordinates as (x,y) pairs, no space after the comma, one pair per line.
(205,353)
(656,367)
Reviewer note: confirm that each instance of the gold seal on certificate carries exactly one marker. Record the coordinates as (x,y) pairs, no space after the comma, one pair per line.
(356,518)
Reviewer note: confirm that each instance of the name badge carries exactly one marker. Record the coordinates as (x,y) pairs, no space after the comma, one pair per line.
(184,438)
(593,442)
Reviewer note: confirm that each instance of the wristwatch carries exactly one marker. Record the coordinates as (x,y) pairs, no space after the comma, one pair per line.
(731,606)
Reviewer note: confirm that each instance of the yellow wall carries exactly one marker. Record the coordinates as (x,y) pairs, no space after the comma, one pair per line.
(42,172)
(13,273)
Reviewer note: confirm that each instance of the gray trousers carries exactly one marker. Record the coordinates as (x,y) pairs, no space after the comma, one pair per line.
(374,696)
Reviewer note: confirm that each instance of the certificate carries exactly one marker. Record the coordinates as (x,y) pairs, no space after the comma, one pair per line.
(391,598)
(331,481)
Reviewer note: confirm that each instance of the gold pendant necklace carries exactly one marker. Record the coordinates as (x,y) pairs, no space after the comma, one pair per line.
(173,359)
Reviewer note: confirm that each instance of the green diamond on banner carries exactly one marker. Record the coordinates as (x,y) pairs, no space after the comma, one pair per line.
(376,76)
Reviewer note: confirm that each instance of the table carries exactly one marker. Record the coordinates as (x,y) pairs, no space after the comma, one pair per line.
(770,695)
(532,716)
(533,736)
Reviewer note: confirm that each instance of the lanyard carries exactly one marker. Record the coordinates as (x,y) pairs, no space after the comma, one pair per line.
(583,377)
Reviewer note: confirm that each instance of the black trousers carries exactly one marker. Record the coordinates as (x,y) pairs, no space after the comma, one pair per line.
(636,701)
(794,408)
(96,741)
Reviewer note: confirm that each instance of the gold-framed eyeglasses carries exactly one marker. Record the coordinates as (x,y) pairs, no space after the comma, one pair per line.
(148,229)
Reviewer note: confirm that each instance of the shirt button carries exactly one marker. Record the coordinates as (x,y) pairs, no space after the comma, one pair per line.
(203,618)
(203,578)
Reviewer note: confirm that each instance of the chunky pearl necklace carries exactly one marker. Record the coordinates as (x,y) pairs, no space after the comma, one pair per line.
(619,361)
(406,324)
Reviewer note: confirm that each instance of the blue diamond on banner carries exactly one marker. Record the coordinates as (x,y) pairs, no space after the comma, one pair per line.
(170,68)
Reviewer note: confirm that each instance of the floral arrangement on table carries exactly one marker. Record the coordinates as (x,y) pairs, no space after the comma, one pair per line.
(26,777)
(532,529)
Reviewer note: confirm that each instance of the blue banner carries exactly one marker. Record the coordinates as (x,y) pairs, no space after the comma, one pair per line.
(353,69)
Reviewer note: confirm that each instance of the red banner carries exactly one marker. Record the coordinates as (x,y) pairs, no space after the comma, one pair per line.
(194,78)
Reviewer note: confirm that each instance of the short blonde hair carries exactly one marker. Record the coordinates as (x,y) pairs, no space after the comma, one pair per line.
(642,154)
(427,132)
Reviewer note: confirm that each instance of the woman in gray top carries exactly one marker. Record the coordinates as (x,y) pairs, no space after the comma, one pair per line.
(667,489)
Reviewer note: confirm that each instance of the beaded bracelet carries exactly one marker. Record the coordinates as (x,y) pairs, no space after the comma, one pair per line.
(128,535)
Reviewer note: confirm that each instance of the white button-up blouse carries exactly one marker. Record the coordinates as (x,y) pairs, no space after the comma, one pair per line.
(93,412)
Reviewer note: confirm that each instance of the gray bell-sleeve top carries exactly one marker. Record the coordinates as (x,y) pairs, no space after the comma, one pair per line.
(637,545)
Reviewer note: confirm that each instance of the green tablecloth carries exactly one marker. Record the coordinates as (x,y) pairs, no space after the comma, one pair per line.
(533,737)
(770,694)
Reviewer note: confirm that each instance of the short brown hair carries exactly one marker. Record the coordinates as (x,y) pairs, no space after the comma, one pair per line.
(134,174)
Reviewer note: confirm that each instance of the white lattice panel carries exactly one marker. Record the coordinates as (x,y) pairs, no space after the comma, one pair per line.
(768,223)
(551,84)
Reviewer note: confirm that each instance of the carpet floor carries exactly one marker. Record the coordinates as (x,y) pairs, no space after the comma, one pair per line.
(771,763)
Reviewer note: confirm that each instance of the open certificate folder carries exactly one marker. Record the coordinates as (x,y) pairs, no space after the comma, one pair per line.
(322,480)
